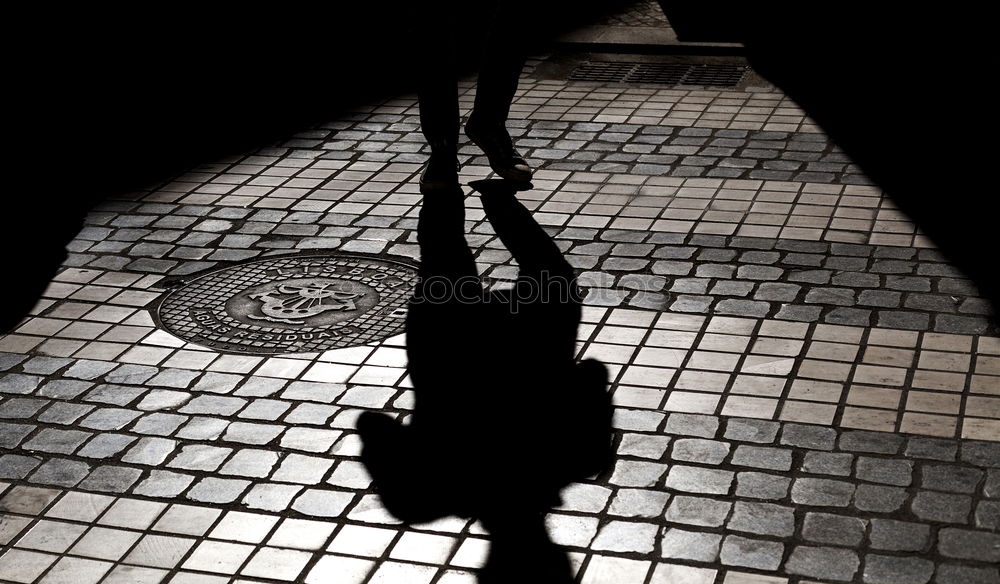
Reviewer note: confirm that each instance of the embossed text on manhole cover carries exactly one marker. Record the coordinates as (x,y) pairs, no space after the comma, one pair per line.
(291,304)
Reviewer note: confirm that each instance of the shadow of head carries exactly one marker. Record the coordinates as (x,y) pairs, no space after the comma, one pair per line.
(504,416)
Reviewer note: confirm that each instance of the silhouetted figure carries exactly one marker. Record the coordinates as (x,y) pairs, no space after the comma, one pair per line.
(504,416)
(496,28)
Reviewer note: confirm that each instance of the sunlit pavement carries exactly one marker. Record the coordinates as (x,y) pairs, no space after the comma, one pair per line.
(805,389)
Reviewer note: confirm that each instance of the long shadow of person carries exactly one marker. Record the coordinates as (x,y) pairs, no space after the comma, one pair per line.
(504,416)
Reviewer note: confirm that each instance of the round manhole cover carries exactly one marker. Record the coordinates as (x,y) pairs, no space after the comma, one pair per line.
(291,304)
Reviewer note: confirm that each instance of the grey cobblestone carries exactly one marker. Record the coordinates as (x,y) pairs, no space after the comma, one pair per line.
(268,497)
(969,544)
(881,569)
(21,408)
(717,270)
(631,473)
(158,424)
(822,492)
(250,463)
(885,471)
(902,320)
(111,479)
(758,272)
(638,503)
(809,437)
(60,472)
(810,276)
(956,479)
(903,536)
(908,283)
(106,445)
(749,430)
(118,395)
(833,529)
(762,486)
(19,384)
(751,553)
(200,457)
(879,499)
(957,574)
(762,519)
(322,503)
(835,296)
(941,507)
(799,313)
(690,545)
(203,429)
(15,466)
(693,479)
(763,457)
(695,304)
(932,448)
(991,487)
(12,434)
(150,451)
(698,511)
(109,419)
(743,307)
(130,374)
(57,441)
(215,405)
(777,291)
(698,450)
(692,425)
(879,298)
(64,388)
(981,453)
(733,288)
(987,515)
(849,316)
(64,413)
(828,463)
(162,483)
(174,378)
(213,490)
(823,562)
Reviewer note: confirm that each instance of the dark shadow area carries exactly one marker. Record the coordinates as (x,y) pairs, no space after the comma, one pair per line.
(103,100)
(900,90)
(504,416)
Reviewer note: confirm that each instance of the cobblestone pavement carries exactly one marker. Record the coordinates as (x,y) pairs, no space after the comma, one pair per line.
(642,13)
(805,390)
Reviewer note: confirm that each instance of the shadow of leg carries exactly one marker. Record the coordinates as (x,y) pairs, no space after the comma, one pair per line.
(522,552)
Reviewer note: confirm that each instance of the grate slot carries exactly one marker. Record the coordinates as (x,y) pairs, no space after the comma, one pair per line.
(715,75)
(664,74)
(659,73)
(602,71)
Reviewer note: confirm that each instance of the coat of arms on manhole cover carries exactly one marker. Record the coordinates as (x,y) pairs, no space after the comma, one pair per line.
(290,304)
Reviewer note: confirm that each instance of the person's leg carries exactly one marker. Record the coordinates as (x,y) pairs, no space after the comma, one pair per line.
(502,62)
(437,95)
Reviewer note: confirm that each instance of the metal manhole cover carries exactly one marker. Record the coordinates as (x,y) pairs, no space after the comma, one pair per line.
(291,304)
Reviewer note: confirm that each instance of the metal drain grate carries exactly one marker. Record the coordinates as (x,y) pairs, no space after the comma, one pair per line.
(659,73)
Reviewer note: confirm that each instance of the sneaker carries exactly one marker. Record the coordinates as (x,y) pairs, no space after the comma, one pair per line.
(495,142)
